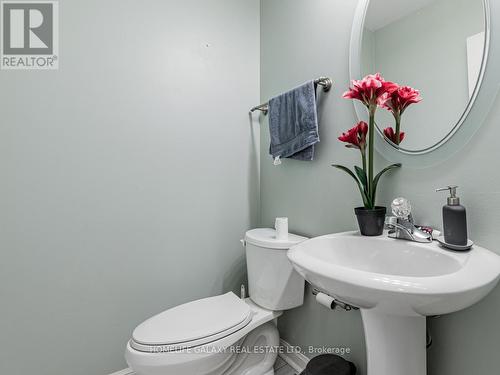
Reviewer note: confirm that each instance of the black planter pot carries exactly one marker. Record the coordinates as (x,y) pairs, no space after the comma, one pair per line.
(371,222)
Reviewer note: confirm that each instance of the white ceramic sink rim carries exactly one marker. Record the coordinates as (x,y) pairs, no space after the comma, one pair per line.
(472,269)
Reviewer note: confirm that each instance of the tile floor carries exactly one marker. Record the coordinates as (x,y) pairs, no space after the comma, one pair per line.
(282,368)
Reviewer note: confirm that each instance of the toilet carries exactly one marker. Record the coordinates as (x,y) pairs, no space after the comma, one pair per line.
(225,334)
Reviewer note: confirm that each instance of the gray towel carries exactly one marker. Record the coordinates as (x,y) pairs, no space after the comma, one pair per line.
(293,123)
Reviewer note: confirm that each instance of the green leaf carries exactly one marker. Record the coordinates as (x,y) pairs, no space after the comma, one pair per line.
(366,201)
(364,181)
(377,178)
(362,177)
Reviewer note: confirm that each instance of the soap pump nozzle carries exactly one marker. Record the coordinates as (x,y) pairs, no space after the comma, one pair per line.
(453,200)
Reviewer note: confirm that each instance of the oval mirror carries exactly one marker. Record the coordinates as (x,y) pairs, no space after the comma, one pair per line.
(439,47)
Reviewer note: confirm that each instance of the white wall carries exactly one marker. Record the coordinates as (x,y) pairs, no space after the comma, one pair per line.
(106,166)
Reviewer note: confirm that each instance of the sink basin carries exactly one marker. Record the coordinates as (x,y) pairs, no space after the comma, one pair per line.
(396,276)
(396,283)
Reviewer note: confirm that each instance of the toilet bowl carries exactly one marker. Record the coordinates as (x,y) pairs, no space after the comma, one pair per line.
(224,335)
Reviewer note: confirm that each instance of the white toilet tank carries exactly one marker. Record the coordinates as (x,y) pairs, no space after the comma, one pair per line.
(272,281)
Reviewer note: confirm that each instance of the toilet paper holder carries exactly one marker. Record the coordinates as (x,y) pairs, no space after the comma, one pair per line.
(331,302)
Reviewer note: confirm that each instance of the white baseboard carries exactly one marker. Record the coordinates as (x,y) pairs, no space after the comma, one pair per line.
(293,358)
(127,371)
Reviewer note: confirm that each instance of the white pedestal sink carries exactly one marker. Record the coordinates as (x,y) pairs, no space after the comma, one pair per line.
(396,284)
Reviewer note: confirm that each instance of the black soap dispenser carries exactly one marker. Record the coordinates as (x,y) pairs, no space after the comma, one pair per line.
(454,219)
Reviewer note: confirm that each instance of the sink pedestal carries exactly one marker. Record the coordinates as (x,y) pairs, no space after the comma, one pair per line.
(395,345)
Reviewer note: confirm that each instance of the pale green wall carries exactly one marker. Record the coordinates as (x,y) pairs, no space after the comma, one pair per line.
(303,39)
(127,177)
(410,51)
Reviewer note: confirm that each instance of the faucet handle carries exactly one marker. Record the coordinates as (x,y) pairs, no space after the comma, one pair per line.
(401,208)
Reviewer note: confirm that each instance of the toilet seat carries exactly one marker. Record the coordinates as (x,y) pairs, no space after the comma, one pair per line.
(192,324)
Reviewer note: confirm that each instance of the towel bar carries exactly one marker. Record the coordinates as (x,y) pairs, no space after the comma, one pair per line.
(322,81)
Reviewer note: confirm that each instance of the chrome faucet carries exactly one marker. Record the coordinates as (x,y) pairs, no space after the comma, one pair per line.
(401,225)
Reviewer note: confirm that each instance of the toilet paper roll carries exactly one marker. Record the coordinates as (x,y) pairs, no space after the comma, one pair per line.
(281,226)
(325,300)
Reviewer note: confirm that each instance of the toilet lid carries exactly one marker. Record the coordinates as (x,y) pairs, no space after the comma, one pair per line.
(192,324)
(266,237)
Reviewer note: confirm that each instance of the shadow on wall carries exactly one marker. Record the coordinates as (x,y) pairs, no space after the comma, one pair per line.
(235,277)
(254,171)
(348,337)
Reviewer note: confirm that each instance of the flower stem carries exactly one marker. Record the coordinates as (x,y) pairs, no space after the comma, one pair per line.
(363,156)
(398,128)
(371,135)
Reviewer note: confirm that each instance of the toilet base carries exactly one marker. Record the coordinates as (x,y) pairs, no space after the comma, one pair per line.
(265,337)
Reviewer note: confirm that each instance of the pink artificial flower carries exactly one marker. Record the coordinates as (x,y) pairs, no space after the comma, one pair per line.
(356,136)
(400,99)
(391,135)
(370,89)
